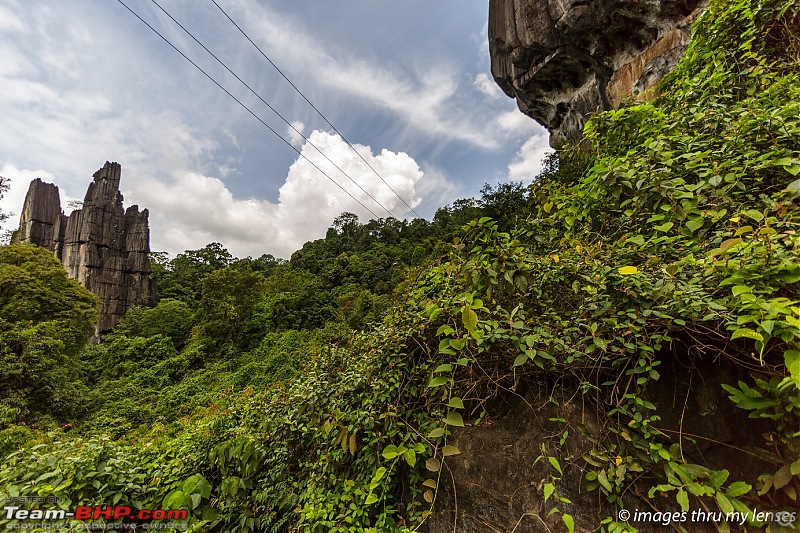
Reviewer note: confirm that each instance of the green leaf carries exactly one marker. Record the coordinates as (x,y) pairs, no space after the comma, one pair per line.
(456,403)
(470,318)
(453,418)
(741,289)
(449,450)
(783,476)
(437,382)
(664,227)
(724,503)
(792,359)
(411,457)
(371,498)
(683,499)
(436,433)
(718,477)
(794,187)
(603,479)
(554,463)
(549,488)
(758,216)
(737,489)
(390,452)
(695,224)
(379,473)
(747,333)
(521,359)
(457,344)
(569,522)
(444,368)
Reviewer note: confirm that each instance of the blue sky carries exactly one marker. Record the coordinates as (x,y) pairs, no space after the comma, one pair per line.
(408,83)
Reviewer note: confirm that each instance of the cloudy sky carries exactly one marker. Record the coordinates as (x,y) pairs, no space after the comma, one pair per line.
(407,83)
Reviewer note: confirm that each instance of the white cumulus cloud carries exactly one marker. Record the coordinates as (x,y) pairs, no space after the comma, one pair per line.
(192,210)
(295,132)
(527,163)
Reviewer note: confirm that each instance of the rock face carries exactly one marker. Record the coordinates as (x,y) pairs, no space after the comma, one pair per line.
(496,482)
(101,245)
(566,59)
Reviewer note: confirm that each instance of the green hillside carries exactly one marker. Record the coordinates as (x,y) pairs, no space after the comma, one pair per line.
(323,393)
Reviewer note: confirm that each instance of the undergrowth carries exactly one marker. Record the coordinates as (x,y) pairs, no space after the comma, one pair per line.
(680,223)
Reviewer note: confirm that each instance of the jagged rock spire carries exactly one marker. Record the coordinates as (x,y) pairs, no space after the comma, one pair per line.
(101,245)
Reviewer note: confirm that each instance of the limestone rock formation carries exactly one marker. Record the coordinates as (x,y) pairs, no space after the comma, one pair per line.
(566,59)
(101,245)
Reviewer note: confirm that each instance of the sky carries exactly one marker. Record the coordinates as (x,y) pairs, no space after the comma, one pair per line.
(407,83)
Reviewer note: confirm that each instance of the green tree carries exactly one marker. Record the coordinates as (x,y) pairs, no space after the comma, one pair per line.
(45,320)
(182,278)
(171,318)
(229,297)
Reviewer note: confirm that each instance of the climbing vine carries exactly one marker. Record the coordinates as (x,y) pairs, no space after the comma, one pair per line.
(676,223)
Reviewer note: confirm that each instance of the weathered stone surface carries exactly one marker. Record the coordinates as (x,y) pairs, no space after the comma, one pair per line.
(566,59)
(39,218)
(497,481)
(101,245)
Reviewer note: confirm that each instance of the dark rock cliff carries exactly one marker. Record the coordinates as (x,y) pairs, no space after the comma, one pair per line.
(101,245)
(565,59)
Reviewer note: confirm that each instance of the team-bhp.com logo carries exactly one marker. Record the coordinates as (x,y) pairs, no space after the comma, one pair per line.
(87,512)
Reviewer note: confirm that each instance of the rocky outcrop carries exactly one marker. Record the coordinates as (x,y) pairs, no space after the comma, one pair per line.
(565,59)
(101,245)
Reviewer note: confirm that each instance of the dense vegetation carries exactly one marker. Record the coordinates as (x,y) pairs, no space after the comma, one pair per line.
(322,393)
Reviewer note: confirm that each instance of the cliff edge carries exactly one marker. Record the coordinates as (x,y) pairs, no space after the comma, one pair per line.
(563,60)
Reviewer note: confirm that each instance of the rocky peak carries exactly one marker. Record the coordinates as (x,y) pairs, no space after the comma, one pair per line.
(101,245)
(565,59)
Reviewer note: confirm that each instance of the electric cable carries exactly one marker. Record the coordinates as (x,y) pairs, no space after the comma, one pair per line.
(181,26)
(245,107)
(314,107)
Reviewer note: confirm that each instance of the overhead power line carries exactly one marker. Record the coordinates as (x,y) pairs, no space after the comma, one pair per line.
(195,65)
(181,26)
(313,106)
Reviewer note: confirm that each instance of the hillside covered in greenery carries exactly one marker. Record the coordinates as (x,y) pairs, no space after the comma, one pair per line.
(329,392)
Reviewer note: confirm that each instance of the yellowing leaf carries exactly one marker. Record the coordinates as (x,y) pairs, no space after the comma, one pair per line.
(428,496)
(628,270)
(470,318)
(449,450)
(430,483)
(618,460)
(728,243)
(433,464)
(554,257)
(352,444)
